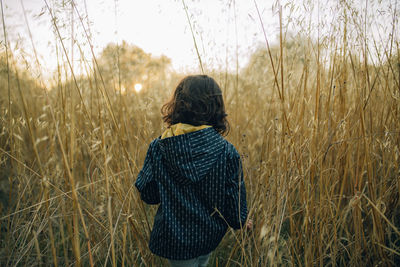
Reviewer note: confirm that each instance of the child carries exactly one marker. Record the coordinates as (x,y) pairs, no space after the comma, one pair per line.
(194,174)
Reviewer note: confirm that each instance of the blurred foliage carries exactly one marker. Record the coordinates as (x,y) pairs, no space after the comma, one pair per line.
(295,53)
(127,65)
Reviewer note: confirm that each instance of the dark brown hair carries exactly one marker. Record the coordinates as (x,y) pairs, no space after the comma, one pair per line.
(197,100)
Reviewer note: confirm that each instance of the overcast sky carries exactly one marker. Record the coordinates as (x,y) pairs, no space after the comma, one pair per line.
(159,27)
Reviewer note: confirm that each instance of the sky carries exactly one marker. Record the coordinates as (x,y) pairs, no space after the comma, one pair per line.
(225,30)
(158,27)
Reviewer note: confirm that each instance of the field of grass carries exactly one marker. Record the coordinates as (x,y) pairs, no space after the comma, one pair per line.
(316,121)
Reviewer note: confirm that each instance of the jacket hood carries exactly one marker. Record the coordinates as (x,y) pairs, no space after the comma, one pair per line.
(189,157)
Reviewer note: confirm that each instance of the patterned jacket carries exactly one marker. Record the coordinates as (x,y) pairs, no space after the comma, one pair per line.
(198,181)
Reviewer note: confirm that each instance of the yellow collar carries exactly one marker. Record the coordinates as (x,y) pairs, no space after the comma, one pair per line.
(181,128)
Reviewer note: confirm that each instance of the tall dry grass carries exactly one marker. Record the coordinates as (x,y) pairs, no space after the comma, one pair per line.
(316,120)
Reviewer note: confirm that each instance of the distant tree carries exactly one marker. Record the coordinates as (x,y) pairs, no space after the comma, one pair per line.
(126,65)
(15,78)
(294,52)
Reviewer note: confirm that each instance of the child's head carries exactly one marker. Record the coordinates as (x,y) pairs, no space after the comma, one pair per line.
(197,100)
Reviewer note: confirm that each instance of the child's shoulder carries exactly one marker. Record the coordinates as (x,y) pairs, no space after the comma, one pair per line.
(231,150)
(153,145)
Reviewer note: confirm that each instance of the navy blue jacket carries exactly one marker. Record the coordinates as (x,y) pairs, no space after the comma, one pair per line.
(197,179)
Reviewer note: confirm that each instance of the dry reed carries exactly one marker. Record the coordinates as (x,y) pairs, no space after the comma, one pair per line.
(316,120)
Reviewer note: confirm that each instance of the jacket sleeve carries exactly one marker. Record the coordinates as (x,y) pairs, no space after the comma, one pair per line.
(145,182)
(235,210)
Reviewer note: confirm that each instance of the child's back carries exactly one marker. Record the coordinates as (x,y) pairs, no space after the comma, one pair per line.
(196,177)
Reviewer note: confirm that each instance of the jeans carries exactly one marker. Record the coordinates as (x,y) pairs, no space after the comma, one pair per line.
(200,261)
